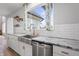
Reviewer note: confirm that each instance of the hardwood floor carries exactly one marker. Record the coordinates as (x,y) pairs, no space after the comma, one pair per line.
(10,52)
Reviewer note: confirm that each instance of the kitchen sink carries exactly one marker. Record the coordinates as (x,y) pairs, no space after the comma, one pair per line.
(29,36)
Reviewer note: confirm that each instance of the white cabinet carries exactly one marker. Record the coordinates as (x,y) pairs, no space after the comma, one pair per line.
(13,42)
(10,41)
(21,48)
(56,54)
(61,51)
(28,49)
(25,49)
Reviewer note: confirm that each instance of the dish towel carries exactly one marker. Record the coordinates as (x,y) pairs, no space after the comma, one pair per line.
(3,45)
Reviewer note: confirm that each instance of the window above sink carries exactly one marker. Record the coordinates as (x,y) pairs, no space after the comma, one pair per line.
(41,17)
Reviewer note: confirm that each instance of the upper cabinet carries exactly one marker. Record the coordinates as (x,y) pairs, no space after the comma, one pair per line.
(9,26)
(39,16)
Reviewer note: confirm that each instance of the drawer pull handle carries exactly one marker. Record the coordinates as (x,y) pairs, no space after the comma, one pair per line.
(65,52)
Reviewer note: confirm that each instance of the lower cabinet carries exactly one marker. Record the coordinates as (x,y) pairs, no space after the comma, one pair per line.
(56,54)
(25,49)
(13,42)
(61,51)
(9,41)
(21,48)
(28,49)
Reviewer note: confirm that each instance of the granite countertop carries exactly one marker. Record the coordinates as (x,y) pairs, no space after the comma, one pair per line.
(21,34)
(71,44)
(67,43)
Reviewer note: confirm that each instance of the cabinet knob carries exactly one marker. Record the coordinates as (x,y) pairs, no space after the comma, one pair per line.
(23,47)
(65,52)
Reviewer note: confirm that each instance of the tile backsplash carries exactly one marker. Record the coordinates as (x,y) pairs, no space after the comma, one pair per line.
(64,31)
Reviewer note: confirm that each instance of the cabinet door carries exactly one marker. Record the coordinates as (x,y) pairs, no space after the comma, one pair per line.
(10,41)
(64,51)
(21,48)
(56,54)
(28,49)
(15,43)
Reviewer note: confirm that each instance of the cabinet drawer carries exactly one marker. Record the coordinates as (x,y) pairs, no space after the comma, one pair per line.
(56,54)
(64,51)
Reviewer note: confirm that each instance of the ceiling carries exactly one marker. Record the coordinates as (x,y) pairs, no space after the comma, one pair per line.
(8,8)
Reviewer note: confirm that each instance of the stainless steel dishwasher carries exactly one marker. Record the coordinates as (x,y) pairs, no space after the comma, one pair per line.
(41,49)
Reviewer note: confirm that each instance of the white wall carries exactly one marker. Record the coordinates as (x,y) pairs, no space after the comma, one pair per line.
(19,12)
(66,13)
(64,31)
(66,19)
